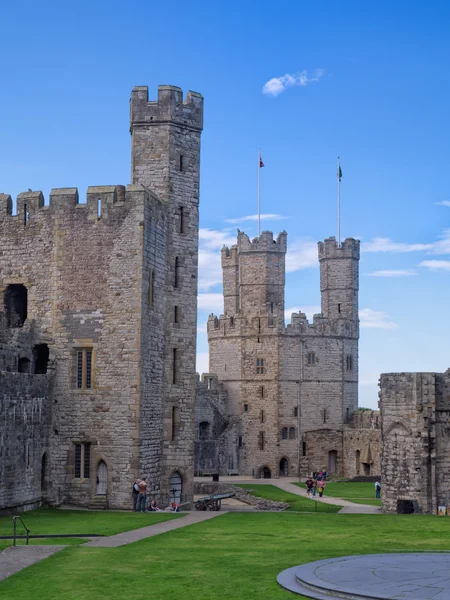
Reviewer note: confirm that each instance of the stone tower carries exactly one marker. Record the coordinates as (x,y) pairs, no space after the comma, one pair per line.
(293,387)
(166,159)
(98,318)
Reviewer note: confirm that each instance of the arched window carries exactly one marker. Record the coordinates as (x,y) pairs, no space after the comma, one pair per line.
(284,433)
(16,305)
(204,430)
(292,433)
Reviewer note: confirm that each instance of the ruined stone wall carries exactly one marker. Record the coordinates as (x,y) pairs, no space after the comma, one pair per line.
(166,159)
(408,435)
(362,445)
(25,406)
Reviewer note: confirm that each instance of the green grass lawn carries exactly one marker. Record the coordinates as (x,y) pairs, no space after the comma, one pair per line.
(235,556)
(52,520)
(359,492)
(297,503)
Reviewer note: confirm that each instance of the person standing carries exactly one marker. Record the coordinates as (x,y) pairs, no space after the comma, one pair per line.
(321,485)
(309,486)
(135,494)
(142,500)
(377,489)
(314,487)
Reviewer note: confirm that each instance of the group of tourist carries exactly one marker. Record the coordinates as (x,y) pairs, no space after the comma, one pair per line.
(139,495)
(316,484)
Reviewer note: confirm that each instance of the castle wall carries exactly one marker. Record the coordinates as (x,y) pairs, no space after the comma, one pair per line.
(362,445)
(25,421)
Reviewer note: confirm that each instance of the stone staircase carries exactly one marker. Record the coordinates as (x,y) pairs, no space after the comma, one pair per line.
(98,503)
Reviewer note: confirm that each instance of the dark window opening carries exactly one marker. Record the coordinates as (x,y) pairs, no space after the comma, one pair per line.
(176,280)
(204,430)
(349,362)
(176,423)
(181,228)
(284,433)
(240,441)
(262,416)
(24,365)
(175,314)
(271,307)
(82,460)
(296,411)
(181,163)
(405,507)
(324,415)
(231,321)
(259,325)
(16,305)
(261,440)
(245,407)
(151,288)
(292,433)
(311,358)
(216,323)
(261,391)
(87,461)
(77,461)
(175,365)
(304,448)
(347,415)
(339,308)
(41,354)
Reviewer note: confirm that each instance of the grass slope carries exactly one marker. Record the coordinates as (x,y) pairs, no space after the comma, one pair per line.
(52,520)
(236,556)
(359,492)
(297,503)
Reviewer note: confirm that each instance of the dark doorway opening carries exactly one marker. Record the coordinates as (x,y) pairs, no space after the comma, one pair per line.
(284,467)
(405,507)
(204,430)
(41,354)
(265,473)
(16,305)
(24,365)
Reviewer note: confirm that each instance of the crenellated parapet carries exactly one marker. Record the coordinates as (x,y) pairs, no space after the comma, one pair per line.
(264,243)
(329,248)
(170,106)
(102,202)
(320,327)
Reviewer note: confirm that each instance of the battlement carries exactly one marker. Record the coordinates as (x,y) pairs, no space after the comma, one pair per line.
(170,107)
(263,243)
(329,248)
(100,200)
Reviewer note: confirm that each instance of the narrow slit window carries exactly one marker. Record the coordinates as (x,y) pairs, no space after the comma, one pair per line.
(99,208)
(87,461)
(175,366)
(182,224)
(349,361)
(80,369)
(175,314)
(77,461)
(262,416)
(25,214)
(339,308)
(84,365)
(311,359)
(181,165)
(261,391)
(245,407)
(151,288)
(175,423)
(304,448)
(261,440)
(296,411)
(176,281)
(324,415)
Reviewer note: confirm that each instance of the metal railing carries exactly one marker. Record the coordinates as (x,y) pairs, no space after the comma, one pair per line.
(15,529)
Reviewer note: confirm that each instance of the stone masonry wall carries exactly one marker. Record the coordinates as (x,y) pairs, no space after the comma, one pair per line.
(25,406)
(362,445)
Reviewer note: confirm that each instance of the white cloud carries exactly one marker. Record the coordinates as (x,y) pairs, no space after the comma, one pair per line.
(393,273)
(215,239)
(202,363)
(372,319)
(442,246)
(209,267)
(301,254)
(202,329)
(443,203)
(387,245)
(263,217)
(212,302)
(436,265)
(309,310)
(276,85)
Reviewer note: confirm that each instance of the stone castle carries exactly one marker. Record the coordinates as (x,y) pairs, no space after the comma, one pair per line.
(281,400)
(98,324)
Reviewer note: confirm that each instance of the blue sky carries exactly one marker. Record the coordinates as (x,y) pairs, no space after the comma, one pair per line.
(367,81)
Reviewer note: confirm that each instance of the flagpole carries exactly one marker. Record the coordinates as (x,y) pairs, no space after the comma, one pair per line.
(339,201)
(259,192)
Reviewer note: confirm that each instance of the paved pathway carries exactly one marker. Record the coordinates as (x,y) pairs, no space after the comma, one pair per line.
(14,559)
(408,576)
(128,537)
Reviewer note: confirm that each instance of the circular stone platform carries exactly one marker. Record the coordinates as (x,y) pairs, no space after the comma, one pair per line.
(412,576)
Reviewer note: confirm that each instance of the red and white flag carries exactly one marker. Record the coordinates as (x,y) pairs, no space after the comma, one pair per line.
(261,164)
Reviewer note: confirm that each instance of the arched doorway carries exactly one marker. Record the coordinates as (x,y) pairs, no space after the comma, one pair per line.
(284,467)
(265,473)
(175,488)
(204,430)
(332,461)
(44,472)
(102,478)
(358,462)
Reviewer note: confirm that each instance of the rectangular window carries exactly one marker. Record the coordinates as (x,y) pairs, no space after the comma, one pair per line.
(339,308)
(84,369)
(231,321)
(87,461)
(304,448)
(176,424)
(77,461)
(324,415)
(349,362)
(175,365)
(262,416)
(261,391)
(175,314)
(311,358)
(261,440)
(176,277)
(151,288)
(296,411)
(245,407)
(259,366)
(240,441)
(181,163)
